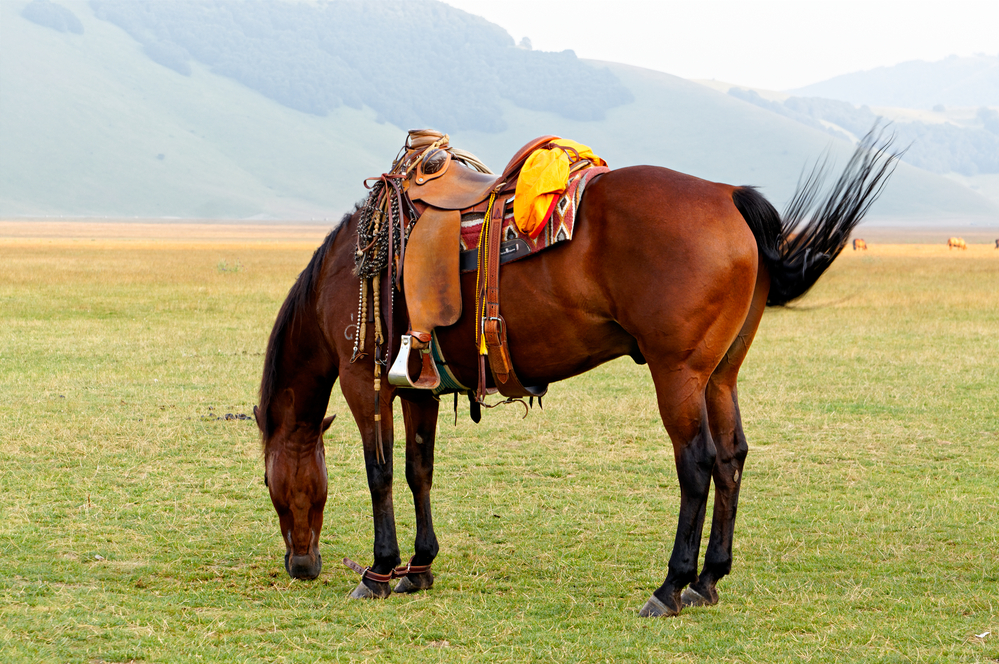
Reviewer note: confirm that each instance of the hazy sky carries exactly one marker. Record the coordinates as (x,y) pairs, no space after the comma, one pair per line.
(778,44)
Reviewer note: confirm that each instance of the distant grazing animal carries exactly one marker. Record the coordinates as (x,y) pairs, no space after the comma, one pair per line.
(669,269)
(997,244)
(859,243)
(957,243)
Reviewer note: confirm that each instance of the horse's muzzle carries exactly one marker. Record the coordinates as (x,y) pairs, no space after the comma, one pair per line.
(303,567)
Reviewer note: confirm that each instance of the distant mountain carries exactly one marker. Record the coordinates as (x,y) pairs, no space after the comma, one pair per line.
(954,81)
(97,120)
(938,147)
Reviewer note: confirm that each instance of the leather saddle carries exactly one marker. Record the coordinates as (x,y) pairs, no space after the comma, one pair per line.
(441,188)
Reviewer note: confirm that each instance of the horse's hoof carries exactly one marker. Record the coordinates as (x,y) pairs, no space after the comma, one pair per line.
(691,597)
(422,582)
(654,608)
(362,591)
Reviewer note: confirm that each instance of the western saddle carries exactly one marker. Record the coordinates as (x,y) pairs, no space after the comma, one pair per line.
(430,186)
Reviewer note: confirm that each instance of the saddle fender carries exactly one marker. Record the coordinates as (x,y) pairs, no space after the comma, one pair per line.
(432,272)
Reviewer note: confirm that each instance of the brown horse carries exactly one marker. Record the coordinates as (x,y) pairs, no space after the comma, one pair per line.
(859,243)
(956,243)
(666,268)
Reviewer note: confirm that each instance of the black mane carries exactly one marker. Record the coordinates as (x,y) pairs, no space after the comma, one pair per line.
(298,298)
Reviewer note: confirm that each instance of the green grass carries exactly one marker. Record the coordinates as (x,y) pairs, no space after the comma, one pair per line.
(135,526)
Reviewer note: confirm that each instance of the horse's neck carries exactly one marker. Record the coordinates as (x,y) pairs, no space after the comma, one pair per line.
(308,360)
(310,373)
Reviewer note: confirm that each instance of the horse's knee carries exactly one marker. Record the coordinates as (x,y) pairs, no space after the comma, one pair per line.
(380,478)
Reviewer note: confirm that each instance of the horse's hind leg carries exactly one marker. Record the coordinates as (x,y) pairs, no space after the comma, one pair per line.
(730,443)
(420,415)
(680,391)
(731,449)
(683,387)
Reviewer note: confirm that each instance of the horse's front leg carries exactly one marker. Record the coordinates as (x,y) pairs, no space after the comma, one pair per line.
(357,389)
(419,411)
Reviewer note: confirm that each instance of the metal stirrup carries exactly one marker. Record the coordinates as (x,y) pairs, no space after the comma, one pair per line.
(429,378)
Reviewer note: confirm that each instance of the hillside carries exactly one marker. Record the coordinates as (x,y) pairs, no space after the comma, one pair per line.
(688,127)
(91,125)
(316,57)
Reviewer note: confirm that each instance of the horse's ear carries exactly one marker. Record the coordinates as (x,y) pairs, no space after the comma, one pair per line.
(256,415)
(327,422)
(285,403)
(284,408)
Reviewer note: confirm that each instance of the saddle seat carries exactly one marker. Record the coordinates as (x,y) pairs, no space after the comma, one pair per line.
(461,188)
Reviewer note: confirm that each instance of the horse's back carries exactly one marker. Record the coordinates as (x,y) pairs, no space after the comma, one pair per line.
(656,253)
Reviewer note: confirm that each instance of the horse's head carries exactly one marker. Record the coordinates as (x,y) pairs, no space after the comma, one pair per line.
(295,475)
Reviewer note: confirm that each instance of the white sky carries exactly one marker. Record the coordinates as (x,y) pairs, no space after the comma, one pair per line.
(774,44)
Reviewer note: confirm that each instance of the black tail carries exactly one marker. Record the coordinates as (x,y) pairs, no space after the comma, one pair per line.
(797,257)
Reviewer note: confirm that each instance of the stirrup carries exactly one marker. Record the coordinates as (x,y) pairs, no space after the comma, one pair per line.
(399,373)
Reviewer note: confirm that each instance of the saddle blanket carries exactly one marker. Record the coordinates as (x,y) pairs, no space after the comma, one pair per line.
(514,243)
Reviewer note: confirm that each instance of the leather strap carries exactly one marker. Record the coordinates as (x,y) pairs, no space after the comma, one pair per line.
(510,250)
(492,324)
(424,337)
(395,573)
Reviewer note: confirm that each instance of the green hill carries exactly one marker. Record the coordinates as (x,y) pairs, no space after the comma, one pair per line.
(92,125)
(691,128)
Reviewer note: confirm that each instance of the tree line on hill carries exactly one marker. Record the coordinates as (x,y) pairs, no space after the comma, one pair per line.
(935,147)
(418,63)
(51,15)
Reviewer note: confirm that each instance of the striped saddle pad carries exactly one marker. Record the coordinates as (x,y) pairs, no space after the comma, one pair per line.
(515,244)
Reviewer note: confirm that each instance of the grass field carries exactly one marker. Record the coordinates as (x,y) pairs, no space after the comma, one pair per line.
(135,527)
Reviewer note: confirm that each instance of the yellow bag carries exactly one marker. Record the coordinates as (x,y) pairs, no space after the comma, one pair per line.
(542,181)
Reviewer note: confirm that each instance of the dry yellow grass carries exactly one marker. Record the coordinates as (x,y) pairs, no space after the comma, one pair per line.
(939,250)
(166,231)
